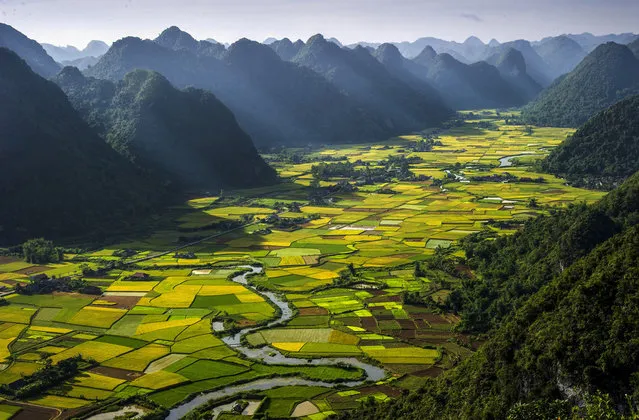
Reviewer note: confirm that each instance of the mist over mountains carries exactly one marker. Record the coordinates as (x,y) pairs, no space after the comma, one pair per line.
(71,53)
(314,92)
(318,91)
(274,100)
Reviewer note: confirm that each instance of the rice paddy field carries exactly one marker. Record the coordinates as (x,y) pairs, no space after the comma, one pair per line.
(152,334)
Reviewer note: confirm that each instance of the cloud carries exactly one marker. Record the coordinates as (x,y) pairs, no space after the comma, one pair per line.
(472,17)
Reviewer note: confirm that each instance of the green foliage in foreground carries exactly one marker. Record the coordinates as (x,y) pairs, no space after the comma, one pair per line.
(603,152)
(512,268)
(572,339)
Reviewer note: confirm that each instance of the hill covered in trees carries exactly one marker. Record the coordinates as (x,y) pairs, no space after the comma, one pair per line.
(561,301)
(57,176)
(607,75)
(603,152)
(187,138)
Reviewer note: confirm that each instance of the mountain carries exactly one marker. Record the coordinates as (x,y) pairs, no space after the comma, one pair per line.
(604,151)
(81,63)
(70,53)
(57,176)
(292,104)
(276,102)
(29,50)
(536,67)
(561,53)
(176,39)
(589,42)
(404,69)
(181,67)
(61,54)
(286,49)
(188,138)
(565,346)
(365,80)
(469,51)
(512,67)
(465,86)
(607,75)
(95,48)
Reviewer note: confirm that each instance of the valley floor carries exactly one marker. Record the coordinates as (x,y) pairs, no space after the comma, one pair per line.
(343,265)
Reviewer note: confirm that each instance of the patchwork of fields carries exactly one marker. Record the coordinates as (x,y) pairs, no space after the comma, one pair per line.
(152,334)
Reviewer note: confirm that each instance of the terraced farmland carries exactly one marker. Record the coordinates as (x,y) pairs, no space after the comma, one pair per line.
(344,253)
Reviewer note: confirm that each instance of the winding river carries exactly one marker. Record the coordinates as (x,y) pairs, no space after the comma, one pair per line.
(269,355)
(508,160)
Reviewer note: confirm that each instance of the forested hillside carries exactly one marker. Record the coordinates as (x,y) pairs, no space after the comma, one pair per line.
(603,152)
(186,138)
(607,75)
(57,176)
(562,301)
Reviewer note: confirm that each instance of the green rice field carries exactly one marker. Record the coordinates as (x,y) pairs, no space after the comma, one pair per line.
(344,263)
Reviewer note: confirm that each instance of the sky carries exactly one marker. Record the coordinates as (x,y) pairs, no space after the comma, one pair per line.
(76,22)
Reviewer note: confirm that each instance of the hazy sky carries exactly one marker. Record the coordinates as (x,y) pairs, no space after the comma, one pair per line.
(76,22)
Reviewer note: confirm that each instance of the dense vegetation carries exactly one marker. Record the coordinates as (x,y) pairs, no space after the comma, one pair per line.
(188,138)
(41,285)
(603,152)
(561,298)
(41,251)
(607,75)
(57,176)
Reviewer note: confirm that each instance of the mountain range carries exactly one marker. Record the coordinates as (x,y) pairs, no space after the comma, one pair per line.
(546,59)
(70,53)
(275,101)
(357,74)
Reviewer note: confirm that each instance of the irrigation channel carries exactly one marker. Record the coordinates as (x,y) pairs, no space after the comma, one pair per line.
(271,356)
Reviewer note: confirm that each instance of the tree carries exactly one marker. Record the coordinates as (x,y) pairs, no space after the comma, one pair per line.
(41,251)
